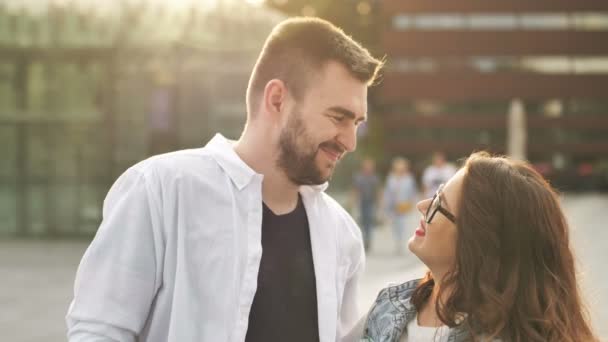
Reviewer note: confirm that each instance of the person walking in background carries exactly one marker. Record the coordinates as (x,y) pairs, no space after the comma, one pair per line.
(366,191)
(439,172)
(238,241)
(400,195)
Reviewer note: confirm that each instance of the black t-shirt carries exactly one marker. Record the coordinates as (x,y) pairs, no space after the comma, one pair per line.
(285,304)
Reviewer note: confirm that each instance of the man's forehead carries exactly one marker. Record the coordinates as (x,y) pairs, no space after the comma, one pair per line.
(335,86)
(345,99)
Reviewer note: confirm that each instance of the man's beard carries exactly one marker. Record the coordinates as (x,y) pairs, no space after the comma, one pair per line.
(298,163)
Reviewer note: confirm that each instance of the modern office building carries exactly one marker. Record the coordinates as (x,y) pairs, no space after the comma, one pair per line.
(457,69)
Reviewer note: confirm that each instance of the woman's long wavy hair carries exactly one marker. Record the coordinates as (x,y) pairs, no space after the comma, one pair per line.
(514,272)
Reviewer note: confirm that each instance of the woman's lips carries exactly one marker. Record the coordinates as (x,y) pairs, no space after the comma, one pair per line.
(421,230)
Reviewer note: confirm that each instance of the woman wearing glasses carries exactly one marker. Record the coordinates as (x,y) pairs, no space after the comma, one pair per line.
(501,267)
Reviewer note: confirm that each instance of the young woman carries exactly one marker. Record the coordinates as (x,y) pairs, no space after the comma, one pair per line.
(500,263)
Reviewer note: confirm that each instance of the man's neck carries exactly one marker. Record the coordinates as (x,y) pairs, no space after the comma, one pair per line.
(278,192)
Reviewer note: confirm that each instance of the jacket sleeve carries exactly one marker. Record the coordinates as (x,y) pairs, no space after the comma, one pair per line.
(119,274)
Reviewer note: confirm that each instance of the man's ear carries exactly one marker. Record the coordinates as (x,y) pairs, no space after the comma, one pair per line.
(275,94)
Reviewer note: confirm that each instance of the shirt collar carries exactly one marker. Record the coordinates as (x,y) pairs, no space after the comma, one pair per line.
(239,172)
(223,152)
(313,189)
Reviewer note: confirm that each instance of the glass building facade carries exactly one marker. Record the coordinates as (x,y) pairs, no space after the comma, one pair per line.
(89,88)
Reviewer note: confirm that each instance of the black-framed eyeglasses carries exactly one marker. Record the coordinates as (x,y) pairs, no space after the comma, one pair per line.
(436,206)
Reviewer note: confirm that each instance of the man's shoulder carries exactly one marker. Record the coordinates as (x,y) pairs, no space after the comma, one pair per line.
(347,230)
(177,164)
(332,213)
(336,209)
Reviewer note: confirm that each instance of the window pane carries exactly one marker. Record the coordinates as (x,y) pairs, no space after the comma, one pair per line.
(545,21)
(496,21)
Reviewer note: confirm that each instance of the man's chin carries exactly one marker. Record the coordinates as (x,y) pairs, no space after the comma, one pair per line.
(326,170)
(319,180)
(322,174)
(310,180)
(322,178)
(326,176)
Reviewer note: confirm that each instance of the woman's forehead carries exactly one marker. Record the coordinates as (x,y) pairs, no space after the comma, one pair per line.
(452,189)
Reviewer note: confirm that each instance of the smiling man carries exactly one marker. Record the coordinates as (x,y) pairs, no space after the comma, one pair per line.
(237,241)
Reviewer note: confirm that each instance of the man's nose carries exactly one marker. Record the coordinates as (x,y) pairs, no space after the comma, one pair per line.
(348,138)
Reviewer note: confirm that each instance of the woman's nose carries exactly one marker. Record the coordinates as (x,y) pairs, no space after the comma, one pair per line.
(423,205)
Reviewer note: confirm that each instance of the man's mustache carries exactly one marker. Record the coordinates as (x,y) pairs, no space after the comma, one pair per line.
(332,146)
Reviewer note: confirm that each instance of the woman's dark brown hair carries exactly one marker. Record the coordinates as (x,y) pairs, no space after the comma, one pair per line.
(514,271)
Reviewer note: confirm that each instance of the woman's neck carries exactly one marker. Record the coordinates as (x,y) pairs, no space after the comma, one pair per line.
(427,316)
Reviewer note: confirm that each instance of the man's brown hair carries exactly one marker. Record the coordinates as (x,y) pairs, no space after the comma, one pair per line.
(298,47)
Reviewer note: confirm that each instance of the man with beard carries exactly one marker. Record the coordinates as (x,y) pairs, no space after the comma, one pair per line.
(237,241)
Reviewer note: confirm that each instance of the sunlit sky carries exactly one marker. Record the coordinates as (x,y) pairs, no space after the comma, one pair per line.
(41,6)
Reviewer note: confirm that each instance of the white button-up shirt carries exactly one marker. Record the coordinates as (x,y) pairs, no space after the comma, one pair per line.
(177,255)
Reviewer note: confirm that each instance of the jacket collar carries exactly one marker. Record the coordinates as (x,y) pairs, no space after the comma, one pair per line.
(401,297)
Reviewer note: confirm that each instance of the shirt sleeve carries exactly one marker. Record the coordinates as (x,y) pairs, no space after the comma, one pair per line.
(119,274)
(349,313)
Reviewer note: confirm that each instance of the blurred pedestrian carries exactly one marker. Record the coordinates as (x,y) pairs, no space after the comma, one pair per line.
(237,240)
(400,196)
(366,191)
(439,172)
(501,267)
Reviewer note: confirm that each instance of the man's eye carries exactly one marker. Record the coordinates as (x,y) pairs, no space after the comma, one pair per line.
(338,118)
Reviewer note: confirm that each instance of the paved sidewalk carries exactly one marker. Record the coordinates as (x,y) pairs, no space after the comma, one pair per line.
(36,282)
(37,276)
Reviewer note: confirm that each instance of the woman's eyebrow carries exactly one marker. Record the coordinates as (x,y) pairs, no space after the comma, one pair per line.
(444,201)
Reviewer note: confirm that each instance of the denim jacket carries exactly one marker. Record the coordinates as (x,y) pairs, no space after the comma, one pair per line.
(393,310)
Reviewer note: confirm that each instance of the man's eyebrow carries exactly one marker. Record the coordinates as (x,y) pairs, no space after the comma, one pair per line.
(348,113)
